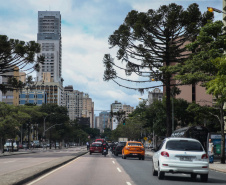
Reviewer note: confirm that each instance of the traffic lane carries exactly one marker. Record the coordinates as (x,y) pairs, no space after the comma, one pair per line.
(17,162)
(141,173)
(88,169)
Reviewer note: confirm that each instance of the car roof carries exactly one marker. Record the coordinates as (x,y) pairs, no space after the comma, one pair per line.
(133,142)
(181,138)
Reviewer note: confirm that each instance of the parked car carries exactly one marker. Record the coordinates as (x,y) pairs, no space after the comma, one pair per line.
(95,147)
(119,147)
(181,155)
(133,149)
(8,145)
(36,144)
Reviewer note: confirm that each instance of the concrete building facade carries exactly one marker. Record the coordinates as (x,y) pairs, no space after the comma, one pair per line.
(78,104)
(49,37)
(155,94)
(115,107)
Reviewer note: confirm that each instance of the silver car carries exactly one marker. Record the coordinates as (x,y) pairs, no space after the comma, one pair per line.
(181,155)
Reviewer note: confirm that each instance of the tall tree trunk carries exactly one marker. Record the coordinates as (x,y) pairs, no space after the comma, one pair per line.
(168,110)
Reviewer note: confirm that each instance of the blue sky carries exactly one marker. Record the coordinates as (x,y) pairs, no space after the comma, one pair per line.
(86,26)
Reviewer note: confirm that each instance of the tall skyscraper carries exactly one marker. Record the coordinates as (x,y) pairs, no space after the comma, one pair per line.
(49,37)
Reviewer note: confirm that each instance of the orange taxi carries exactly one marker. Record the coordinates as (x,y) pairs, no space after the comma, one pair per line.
(133,149)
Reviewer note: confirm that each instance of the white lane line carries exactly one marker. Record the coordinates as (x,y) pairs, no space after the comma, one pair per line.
(8,162)
(128,183)
(113,162)
(42,177)
(119,170)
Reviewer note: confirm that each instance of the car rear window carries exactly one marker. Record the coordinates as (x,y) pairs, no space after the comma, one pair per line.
(184,145)
(96,145)
(134,144)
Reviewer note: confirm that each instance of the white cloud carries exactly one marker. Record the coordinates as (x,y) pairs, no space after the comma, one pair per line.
(86,26)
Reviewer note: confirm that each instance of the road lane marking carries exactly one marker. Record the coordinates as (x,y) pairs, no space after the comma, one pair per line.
(119,170)
(128,183)
(9,162)
(43,176)
(113,162)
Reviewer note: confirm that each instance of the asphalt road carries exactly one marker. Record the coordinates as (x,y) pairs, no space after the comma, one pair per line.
(96,169)
(45,167)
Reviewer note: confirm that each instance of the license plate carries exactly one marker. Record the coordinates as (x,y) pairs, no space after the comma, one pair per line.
(185,158)
(105,150)
(134,154)
(96,151)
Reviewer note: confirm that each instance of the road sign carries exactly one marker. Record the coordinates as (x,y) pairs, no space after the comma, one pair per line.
(149,141)
(145,138)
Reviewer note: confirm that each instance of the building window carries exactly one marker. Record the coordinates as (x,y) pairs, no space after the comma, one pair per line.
(40,96)
(39,102)
(31,101)
(22,102)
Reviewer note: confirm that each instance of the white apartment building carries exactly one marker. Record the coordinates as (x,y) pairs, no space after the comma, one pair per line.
(73,100)
(115,107)
(156,94)
(79,104)
(49,37)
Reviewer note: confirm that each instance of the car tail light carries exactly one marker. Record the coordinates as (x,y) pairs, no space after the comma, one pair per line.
(165,154)
(204,166)
(165,164)
(104,148)
(204,156)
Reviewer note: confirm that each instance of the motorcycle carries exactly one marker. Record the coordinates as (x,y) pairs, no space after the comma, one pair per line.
(105,152)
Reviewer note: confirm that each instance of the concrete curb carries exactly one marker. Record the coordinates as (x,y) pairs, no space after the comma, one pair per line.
(28,174)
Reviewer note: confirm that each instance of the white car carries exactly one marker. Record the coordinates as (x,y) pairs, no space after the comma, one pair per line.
(181,155)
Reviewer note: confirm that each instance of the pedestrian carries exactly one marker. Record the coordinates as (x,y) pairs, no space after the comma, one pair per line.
(211,151)
(87,144)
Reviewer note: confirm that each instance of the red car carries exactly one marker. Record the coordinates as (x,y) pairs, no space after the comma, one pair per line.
(95,147)
(99,140)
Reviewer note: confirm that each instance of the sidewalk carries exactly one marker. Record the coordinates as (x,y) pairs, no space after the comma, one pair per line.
(217,166)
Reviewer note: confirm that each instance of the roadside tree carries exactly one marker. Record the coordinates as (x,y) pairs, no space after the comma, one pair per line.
(148,43)
(16,55)
(207,65)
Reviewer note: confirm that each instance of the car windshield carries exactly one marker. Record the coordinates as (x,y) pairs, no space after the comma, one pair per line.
(96,145)
(184,145)
(134,144)
(122,144)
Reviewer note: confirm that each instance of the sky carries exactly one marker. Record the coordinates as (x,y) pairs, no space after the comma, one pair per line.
(85,28)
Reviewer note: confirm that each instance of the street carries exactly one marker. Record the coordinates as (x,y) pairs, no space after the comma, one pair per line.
(96,169)
(76,166)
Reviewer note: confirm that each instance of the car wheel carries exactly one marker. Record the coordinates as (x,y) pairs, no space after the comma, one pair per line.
(204,177)
(193,176)
(143,158)
(90,153)
(139,158)
(154,172)
(116,153)
(160,174)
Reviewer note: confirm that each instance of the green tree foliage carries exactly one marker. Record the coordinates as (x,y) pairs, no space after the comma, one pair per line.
(15,53)
(149,42)
(207,65)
